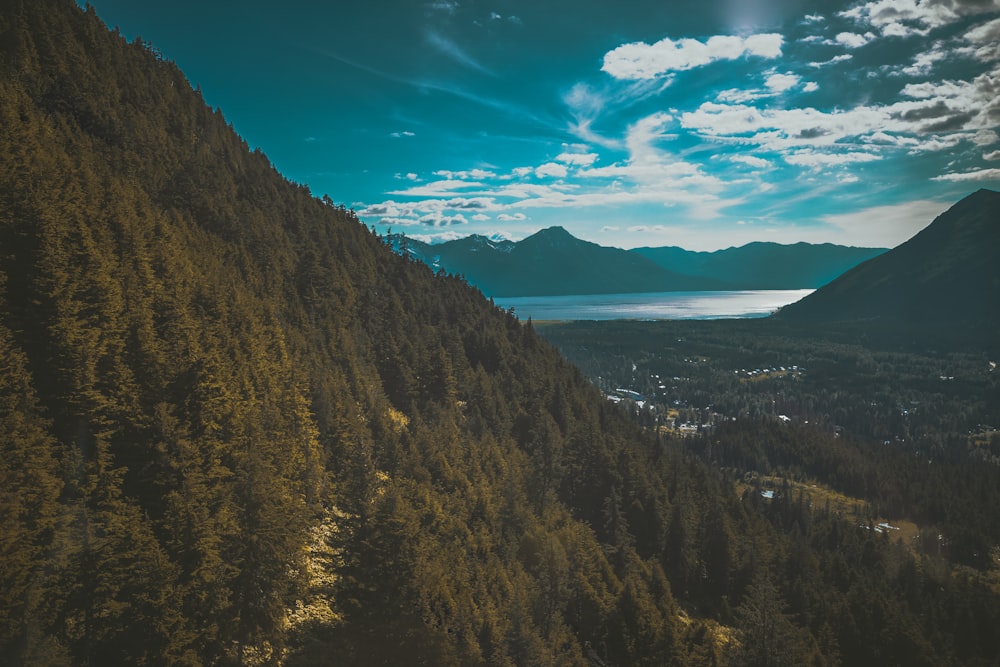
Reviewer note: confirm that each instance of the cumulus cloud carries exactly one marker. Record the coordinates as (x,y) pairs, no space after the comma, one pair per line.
(441,220)
(985,41)
(751,160)
(578,159)
(639,60)
(810,87)
(512,217)
(779,83)
(915,17)
(992,155)
(853,40)
(551,169)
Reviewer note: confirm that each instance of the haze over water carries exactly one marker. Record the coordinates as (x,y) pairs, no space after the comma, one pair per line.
(653,305)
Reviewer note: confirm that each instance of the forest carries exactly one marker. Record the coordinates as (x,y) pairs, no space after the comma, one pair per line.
(238,429)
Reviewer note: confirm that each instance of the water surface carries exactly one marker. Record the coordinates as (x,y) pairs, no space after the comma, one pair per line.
(652,305)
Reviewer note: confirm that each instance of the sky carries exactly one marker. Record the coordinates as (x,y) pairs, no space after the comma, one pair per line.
(630,123)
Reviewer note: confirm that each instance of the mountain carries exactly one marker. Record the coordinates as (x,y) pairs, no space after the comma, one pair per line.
(947,273)
(761,265)
(553,262)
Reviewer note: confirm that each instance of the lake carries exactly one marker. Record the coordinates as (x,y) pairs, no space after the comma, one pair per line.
(652,305)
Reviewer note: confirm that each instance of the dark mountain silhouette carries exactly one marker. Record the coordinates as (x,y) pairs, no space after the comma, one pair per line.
(946,273)
(554,262)
(763,265)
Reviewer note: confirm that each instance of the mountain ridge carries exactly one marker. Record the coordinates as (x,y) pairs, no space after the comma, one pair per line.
(945,273)
(554,262)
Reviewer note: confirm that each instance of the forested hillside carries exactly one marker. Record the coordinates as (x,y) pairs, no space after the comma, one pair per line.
(237,428)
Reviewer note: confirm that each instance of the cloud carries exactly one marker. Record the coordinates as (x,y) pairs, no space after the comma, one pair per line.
(985,40)
(578,159)
(815,160)
(441,220)
(992,155)
(915,17)
(445,187)
(515,217)
(610,228)
(832,61)
(975,175)
(810,87)
(751,160)
(853,40)
(446,6)
(779,83)
(455,52)
(638,60)
(405,133)
(551,169)
(474,174)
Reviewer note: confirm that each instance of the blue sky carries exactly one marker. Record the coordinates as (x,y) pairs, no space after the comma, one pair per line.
(703,125)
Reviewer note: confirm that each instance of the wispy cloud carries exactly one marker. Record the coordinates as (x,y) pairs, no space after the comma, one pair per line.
(456,53)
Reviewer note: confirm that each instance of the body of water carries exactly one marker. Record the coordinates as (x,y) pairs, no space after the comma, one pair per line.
(653,305)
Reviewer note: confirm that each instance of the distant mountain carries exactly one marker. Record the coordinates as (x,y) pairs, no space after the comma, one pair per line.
(765,265)
(947,273)
(552,262)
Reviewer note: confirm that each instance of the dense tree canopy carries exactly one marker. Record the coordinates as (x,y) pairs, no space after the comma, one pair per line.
(238,429)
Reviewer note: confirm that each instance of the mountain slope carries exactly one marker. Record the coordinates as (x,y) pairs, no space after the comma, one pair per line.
(554,262)
(236,428)
(946,273)
(762,265)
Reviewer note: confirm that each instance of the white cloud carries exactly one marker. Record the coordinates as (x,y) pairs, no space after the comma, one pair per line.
(611,228)
(551,169)
(515,217)
(985,40)
(810,87)
(905,18)
(832,61)
(975,175)
(578,159)
(740,95)
(853,40)
(480,217)
(815,160)
(814,18)
(474,174)
(405,133)
(638,60)
(779,83)
(985,138)
(992,155)
(445,187)
(751,160)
